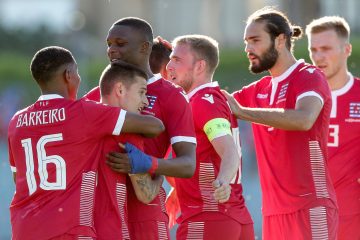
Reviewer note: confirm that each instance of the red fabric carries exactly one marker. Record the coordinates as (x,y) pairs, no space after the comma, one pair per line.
(166,102)
(301,225)
(292,164)
(93,94)
(349,227)
(172,207)
(343,146)
(214,226)
(196,194)
(111,207)
(149,230)
(73,138)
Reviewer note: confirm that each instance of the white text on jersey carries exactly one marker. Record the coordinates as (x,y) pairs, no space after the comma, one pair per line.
(41,117)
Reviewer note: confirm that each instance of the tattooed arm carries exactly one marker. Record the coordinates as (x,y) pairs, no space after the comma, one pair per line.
(146,188)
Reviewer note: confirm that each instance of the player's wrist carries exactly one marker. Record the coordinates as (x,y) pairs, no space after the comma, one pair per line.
(154,165)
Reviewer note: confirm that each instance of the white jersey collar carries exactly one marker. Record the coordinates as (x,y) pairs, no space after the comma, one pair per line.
(195,90)
(49,97)
(288,71)
(154,78)
(345,88)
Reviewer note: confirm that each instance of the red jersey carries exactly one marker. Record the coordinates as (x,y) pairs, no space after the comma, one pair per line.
(54,148)
(111,194)
(111,220)
(343,146)
(292,164)
(168,103)
(196,194)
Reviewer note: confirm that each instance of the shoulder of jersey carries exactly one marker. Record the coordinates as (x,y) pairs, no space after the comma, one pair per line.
(208,95)
(309,69)
(172,89)
(357,80)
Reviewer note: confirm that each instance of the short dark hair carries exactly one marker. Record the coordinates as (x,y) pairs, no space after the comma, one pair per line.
(138,24)
(119,71)
(277,23)
(160,55)
(47,61)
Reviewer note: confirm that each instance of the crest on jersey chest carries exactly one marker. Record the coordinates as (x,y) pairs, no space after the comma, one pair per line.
(152,100)
(354,110)
(282,93)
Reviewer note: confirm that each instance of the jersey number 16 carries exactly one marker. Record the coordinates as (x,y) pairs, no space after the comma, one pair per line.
(43,160)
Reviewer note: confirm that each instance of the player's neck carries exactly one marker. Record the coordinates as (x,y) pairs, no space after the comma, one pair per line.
(338,80)
(55,90)
(201,80)
(283,63)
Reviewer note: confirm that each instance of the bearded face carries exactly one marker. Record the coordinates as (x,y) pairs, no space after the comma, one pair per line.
(265,61)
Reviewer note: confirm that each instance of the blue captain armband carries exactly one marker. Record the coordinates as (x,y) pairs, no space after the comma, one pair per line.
(217,127)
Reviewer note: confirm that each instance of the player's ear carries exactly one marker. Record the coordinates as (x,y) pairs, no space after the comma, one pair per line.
(146,47)
(348,49)
(280,41)
(201,65)
(67,74)
(119,89)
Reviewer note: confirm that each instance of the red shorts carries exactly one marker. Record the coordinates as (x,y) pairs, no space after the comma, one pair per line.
(314,223)
(349,227)
(197,227)
(149,230)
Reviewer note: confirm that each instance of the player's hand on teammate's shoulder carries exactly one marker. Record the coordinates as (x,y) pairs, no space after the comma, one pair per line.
(222,191)
(234,105)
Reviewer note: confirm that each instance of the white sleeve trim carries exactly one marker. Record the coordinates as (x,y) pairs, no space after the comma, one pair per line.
(119,123)
(182,139)
(13,169)
(310,93)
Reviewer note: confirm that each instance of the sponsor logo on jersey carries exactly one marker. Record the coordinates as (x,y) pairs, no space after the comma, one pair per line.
(209,98)
(262,96)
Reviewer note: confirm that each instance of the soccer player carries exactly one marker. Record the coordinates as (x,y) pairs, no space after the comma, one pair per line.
(329,49)
(54,149)
(205,213)
(160,56)
(130,40)
(121,85)
(290,111)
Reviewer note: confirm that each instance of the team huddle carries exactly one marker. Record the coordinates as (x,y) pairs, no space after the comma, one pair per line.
(93,167)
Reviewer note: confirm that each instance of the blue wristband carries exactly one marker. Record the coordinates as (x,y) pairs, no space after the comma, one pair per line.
(139,161)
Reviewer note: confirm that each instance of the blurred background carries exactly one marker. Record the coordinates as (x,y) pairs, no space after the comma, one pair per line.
(82,25)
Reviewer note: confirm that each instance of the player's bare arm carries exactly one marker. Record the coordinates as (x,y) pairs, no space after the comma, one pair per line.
(143,124)
(227,150)
(146,188)
(301,118)
(183,165)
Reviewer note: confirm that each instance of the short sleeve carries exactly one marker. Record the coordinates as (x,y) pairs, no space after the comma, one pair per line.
(245,95)
(312,83)
(178,117)
(212,116)
(11,158)
(103,119)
